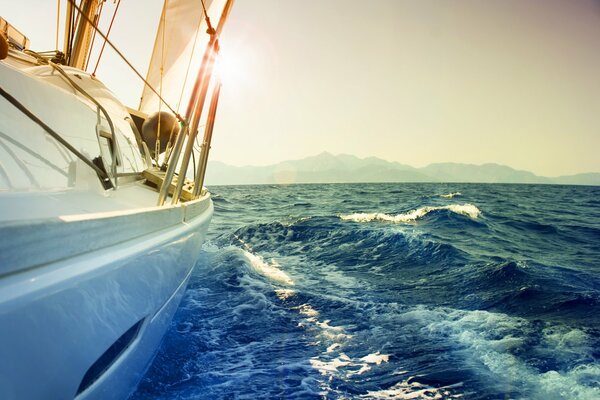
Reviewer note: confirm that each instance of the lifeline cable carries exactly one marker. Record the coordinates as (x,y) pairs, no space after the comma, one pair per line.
(54,134)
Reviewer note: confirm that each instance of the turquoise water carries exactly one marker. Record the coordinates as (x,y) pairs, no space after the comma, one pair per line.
(384,291)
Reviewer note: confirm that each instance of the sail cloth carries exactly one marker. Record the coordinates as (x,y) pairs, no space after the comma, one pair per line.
(180,42)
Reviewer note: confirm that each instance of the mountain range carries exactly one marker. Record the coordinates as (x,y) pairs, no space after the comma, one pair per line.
(329,168)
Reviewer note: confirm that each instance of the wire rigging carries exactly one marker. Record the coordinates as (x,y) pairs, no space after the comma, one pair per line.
(72,2)
(211,30)
(89,56)
(107,33)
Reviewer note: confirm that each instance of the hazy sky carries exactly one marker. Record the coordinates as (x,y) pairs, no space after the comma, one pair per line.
(514,82)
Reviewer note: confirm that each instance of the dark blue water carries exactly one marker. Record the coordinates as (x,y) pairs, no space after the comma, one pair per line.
(384,291)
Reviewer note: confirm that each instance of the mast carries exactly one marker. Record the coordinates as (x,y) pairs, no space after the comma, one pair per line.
(194,112)
(210,124)
(77,50)
(68,28)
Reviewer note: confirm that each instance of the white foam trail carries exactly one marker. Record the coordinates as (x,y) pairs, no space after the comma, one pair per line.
(325,367)
(469,210)
(494,340)
(355,367)
(408,389)
(270,271)
(284,294)
(376,358)
(331,348)
(332,333)
(364,368)
(451,195)
(210,247)
(307,310)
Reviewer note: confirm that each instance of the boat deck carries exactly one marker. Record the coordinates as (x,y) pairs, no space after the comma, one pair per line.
(34,205)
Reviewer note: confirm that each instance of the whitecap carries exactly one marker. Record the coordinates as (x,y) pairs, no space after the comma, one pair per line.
(331,348)
(409,389)
(284,294)
(271,271)
(467,209)
(493,343)
(210,247)
(567,340)
(376,358)
(307,310)
(326,367)
(451,195)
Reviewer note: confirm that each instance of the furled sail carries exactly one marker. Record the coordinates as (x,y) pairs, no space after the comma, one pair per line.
(177,55)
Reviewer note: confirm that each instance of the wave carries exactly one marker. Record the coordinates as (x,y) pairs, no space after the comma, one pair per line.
(328,241)
(270,271)
(218,199)
(451,195)
(467,209)
(529,288)
(537,359)
(411,389)
(532,226)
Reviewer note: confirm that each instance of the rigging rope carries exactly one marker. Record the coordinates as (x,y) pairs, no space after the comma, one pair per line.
(72,2)
(87,61)
(107,33)
(210,30)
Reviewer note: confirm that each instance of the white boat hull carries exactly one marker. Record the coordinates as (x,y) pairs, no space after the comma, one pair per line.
(93,262)
(60,322)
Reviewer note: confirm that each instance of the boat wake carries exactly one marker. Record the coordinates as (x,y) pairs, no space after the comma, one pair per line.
(271,270)
(541,359)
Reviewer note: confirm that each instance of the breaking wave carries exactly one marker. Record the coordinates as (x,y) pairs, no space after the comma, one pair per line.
(469,210)
(451,195)
(271,270)
(539,360)
(295,302)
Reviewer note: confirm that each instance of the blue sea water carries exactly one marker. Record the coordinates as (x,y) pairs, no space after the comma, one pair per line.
(390,291)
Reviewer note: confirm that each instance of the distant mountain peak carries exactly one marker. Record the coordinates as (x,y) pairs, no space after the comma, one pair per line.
(326,167)
(324,154)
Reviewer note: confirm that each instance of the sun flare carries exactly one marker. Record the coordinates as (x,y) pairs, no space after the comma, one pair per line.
(229,67)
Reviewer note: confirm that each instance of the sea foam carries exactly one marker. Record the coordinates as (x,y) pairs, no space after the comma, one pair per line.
(451,195)
(467,209)
(271,270)
(493,343)
(411,389)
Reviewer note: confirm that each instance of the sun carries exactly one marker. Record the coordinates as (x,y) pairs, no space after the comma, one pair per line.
(229,67)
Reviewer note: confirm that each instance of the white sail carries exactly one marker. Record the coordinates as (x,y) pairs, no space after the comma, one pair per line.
(177,55)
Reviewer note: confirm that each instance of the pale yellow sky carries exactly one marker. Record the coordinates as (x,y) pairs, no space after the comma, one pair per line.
(514,82)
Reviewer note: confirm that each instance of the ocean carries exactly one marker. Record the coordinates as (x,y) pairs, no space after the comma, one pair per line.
(390,291)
